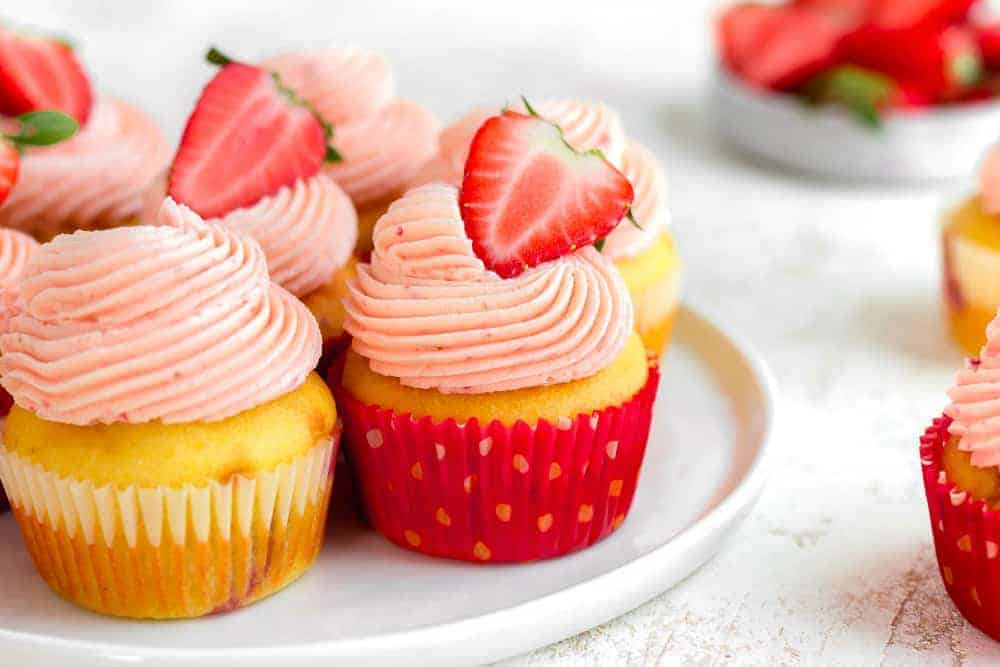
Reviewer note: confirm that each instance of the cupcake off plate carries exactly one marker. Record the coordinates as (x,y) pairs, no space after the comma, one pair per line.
(367,601)
(935,144)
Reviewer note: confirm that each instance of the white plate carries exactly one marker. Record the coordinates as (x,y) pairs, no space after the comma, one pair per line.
(367,601)
(930,145)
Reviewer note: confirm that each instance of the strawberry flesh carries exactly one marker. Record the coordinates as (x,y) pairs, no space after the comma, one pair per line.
(10,162)
(245,140)
(777,47)
(528,197)
(988,38)
(41,74)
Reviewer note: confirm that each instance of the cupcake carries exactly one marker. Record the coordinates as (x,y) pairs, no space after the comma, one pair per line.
(15,249)
(383,139)
(98,178)
(496,399)
(960,456)
(641,246)
(971,258)
(265,178)
(169,451)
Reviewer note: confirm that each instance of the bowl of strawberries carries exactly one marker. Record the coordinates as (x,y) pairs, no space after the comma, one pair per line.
(865,90)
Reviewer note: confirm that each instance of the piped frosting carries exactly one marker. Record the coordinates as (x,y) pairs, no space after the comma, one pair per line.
(97,178)
(178,322)
(427,311)
(383,140)
(975,403)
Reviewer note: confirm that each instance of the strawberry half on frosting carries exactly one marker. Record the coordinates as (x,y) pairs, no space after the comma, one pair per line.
(529,197)
(39,73)
(251,157)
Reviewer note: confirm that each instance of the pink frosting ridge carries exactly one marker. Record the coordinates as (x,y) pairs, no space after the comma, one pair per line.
(178,322)
(384,140)
(585,125)
(427,311)
(975,403)
(307,230)
(16,248)
(989,181)
(98,177)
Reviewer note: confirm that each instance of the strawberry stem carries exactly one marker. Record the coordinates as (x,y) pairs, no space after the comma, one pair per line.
(631,218)
(217,57)
(531,109)
(599,244)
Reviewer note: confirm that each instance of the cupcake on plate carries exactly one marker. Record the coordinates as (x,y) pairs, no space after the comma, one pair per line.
(971,258)
(15,250)
(960,455)
(496,399)
(382,139)
(641,246)
(97,179)
(169,451)
(252,158)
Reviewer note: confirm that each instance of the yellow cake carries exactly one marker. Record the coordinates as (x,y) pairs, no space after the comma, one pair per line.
(971,255)
(613,385)
(653,281)
(326,303)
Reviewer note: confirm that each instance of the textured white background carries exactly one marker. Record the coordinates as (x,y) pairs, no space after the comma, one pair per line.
(836,285)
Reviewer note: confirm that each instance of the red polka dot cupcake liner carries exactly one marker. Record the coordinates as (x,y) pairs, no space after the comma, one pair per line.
(966,537)
(6,403)
(498,493)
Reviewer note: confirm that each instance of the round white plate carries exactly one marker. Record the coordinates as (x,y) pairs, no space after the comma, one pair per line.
(931,145)
(367,601)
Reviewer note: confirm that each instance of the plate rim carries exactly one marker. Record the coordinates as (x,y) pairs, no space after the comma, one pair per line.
(382,647)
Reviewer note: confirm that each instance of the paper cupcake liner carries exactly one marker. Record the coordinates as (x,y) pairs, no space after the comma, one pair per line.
(497,493)
(173,552)
(966,537)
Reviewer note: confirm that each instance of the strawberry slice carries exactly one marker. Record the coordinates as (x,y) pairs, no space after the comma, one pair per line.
(847,14)
(528,197)
(36,128)
(940,62)
(247,137)
(776,47)
(38,73)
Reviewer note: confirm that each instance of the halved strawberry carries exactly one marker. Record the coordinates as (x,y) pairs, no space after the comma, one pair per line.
(988,37)
(776,47)
(528,197)
(913,13)
(247,137)
(847,14)
(35,128)
(940,62)
(38,73)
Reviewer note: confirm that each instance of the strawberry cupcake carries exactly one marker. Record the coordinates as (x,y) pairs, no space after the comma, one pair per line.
(169,451)
(971,259)
(96,180)
(382,139)
(252,159)
(641,246)
(496,399)
(960,455)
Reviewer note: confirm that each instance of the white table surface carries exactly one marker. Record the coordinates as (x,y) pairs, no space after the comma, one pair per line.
(837,286)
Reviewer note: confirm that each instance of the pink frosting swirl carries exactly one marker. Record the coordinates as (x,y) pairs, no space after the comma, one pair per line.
(98,177)
(428,312)
(177,322)
(649,207)
(975,403)
(384,140)
(989,181)
(16,248)
(307,230)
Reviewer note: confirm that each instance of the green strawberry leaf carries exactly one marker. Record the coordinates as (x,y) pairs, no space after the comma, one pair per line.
(43,128)
(863,92)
